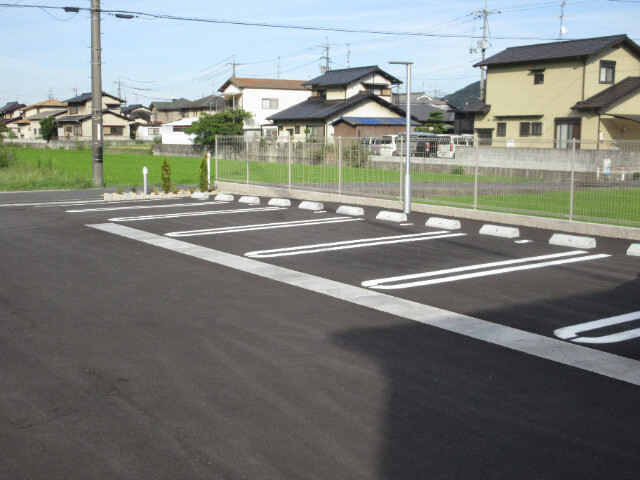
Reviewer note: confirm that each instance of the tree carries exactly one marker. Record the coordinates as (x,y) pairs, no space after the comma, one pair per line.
(206,128)
(435,123)
(203,179)
(48,128)
(3,128)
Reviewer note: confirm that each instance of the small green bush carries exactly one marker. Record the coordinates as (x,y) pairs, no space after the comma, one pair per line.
(203,184)
(7,158)
(636,176)
(165,171)
(458,170)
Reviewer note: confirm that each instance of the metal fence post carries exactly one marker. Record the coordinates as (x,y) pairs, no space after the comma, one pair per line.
(573,176)
(401,170)
(339,165)
(215,152)
(475,176)
(290,144)
(246,148)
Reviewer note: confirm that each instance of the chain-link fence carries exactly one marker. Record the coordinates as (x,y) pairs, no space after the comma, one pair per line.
(575,180)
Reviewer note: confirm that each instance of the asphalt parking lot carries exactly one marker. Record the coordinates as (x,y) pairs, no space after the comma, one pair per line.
(204,339)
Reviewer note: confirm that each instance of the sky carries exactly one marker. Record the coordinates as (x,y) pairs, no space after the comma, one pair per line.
(46,52)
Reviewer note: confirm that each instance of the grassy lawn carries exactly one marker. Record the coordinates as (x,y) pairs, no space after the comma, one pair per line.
(615,206)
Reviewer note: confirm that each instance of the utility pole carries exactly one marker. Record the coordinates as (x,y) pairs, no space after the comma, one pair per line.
(234,64)
(327,66)
(348,55)
(483,44)
(96,97)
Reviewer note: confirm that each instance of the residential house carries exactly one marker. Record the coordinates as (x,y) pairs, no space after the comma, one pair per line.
(77,123)
(165,112)
(586,89)
(28,127)
(262,98)
(358,94)
(211,104)
(137,112)
(10,114)
(173,132)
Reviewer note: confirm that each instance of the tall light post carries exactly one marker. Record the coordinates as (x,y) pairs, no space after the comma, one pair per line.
(407,175)
(96,97)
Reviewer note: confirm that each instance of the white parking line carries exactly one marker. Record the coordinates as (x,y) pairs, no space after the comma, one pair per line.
(373,283)
(377,283)
(571,333)
(194,214)
(363,242)
(139,207)
(587,359)
(261,226)
(60,203)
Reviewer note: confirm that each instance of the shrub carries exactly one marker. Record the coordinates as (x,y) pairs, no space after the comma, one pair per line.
(6,158)
(636,176)
(203,183)
(355,155)
(165,171)
(458,170)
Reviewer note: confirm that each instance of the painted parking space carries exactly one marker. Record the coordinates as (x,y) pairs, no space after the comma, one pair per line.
(546,287)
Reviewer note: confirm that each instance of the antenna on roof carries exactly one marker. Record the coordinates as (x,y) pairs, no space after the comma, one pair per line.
(563,31)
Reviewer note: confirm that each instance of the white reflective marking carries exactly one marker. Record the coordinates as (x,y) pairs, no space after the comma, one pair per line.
(489,272)
(571,333)
(363,242)
(587,359)
(138,207)
(523,241)
(405,224)
(320,211)
(193,214)
(372,283)
(60,203)
(261,226)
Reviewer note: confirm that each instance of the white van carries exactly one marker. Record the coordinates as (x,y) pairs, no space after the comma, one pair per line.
(388,145)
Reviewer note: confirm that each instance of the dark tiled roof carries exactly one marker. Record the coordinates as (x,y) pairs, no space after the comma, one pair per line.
(422,111)
(11,107)
(87,96)
(334,78)
(173,105)
(80,118)
(46,114)
(315,108)
(478,107)
(610,95)
(212,101)
(131,108)
(558,50)
(355,121)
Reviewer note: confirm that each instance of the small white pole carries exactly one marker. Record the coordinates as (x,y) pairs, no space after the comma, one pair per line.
(145,171)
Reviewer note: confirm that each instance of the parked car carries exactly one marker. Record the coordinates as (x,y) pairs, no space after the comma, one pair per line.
(423,144)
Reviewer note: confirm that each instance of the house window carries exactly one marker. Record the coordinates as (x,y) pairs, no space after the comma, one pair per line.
(270,103)
(116,130)
(607,71)
(501,130)
(77,130)
(525,129)
(485,137)
(538,78)
(68,129)
(317,131)
(297,129)
(73,110)
(179,128)
(154,131)
(567,130)
(536,129)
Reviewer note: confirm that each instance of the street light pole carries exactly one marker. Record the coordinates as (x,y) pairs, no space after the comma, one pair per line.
(96,97)
(407,175)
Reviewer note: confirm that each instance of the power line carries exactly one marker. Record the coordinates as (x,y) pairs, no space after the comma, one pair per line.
(272,25)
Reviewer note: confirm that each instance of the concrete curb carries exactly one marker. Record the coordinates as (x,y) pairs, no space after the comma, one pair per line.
(581,228)
(572,241)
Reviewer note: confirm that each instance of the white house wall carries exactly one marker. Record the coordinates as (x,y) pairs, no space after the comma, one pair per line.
(252,102)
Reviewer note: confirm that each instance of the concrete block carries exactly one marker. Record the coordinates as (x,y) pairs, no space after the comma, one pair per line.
(307,205)
(200,195)
(634,250)
(250,200)
(391,216)
(349,210)
(572,241)
(445,223)
(280,202)
(224,197)
(500,231)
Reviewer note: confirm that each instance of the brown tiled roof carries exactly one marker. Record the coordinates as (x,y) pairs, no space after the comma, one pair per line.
(610,95)
(478,107)
(266,83)
(52,102)
(559,50)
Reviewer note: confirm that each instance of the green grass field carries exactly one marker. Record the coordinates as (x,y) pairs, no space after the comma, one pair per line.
(124,169)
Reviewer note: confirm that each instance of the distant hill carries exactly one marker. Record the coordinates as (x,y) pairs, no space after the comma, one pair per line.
(465,96)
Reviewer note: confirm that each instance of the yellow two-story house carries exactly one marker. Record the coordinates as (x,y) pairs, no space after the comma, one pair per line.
(587,90)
